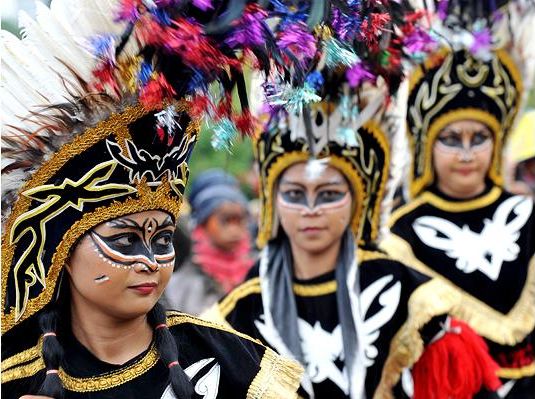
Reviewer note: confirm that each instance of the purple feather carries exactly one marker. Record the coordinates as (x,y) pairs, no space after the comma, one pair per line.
(249,32)
(298,40)
(346,26)
(419,41)
(358,74)
(482,43)
(203,4)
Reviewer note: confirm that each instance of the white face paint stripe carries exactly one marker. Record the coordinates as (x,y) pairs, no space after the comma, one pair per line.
(102,279)
(323,207)
(315,168)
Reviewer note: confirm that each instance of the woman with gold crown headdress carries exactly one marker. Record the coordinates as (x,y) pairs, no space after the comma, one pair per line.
(93,180)
(461,225)
(353,317)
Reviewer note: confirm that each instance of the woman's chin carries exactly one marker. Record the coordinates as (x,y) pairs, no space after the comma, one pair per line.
(315,247)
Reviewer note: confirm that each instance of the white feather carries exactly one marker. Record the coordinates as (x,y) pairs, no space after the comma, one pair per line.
(37,40)
(21,84)
(65,39)
(26,57)
(34,67)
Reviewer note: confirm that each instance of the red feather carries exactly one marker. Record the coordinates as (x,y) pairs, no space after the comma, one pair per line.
(156,92)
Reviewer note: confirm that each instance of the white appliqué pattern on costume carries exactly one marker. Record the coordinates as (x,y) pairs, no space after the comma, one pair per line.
(320,349)
(207,386)
(369,329)
(485,251)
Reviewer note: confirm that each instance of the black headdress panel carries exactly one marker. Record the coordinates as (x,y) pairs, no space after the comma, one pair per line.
(133,161)
(364,163)
(453,86)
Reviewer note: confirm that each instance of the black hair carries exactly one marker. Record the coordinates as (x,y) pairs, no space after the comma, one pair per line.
(55,319)
(168,350)
(52,353)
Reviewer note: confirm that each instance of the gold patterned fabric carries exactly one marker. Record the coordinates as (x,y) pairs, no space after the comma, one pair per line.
(208,357)
(452,86)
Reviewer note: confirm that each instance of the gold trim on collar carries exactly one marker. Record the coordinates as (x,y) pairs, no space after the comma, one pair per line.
(22,357)
(228,303)
(24,371)
(277,378)
(175,318)
(110,380)
(463,206)
(79,384)
(428,197)
(315,289)
(365,255)
(517,373)
(504,329)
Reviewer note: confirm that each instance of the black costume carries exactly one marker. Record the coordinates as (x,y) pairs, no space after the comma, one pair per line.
(113,138)
(482,247)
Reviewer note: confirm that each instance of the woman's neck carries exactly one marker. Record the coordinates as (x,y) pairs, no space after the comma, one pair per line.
(307,265)
(110,339)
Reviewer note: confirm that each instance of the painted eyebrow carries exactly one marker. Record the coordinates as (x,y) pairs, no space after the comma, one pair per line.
(168,222)
(122,223)
(460,132)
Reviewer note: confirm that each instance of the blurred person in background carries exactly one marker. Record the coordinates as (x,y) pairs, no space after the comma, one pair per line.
(521,156)
(221,244)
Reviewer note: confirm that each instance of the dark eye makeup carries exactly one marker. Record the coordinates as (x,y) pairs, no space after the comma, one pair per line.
(299,197)
(454,139)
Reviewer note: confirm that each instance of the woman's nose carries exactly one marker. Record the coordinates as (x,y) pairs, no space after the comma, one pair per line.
(146,267)
(308,211)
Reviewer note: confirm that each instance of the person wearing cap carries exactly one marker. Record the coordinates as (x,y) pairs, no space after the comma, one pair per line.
(221,250)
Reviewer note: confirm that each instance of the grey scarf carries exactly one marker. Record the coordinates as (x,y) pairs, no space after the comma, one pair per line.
(284,309)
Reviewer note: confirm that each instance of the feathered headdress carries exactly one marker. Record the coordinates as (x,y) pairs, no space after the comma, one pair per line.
(102,102)
(481,72)
(339,103)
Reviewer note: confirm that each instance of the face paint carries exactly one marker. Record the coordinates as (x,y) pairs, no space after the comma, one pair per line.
(315,168)
(462,155)
(148,244)
(451,141)
(325,200)
(101,279)
(314,215)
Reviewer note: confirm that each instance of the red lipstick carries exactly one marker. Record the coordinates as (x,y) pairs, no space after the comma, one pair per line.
(144,288)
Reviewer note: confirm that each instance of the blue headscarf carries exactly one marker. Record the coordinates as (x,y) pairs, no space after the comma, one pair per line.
(210,190)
